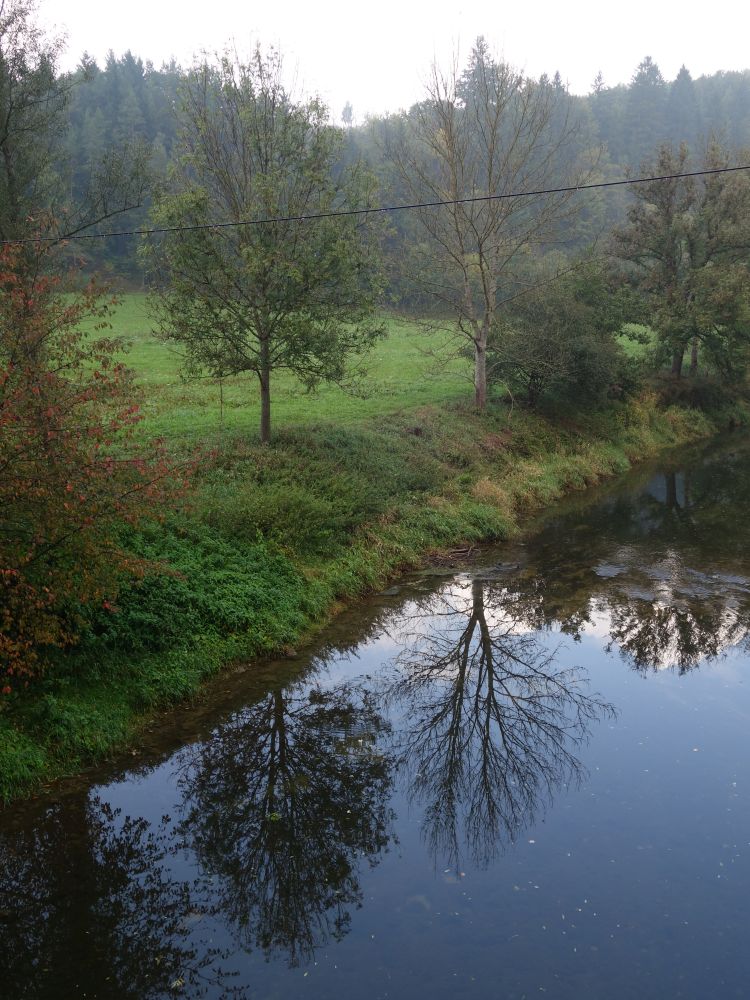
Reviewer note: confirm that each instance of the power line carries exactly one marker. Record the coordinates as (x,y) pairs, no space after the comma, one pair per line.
(573,188)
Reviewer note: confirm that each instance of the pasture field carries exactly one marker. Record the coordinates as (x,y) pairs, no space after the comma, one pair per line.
(402,375)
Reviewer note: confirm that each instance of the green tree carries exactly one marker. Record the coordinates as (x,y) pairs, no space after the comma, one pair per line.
(645,111)
(70,468)
(683,112)
(245,295)
(557,341)
(35,196)
(686,245)
(32,105)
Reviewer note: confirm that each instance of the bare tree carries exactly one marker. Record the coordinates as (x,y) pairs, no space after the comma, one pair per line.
(486,133)
(493,722)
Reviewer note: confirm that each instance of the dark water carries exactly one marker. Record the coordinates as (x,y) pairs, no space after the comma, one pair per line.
(529,778)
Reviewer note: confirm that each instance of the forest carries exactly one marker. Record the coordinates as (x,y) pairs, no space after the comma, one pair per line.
(323,385)
(127,100)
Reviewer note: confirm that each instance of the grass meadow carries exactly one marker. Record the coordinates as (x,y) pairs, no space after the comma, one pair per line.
(402,375)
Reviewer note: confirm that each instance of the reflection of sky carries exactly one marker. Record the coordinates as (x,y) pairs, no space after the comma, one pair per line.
(633,884)
(657,488)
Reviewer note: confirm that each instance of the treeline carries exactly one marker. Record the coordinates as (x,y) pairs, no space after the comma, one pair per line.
(127,101)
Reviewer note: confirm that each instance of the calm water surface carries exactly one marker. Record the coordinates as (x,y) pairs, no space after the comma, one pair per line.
(526,778)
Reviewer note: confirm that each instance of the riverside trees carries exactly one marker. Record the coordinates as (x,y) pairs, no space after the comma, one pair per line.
(34,167)
(70,469)
(686,247)
(242,281)
(32,117)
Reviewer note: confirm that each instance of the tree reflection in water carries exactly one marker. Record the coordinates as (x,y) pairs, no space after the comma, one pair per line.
(681,632)
(663,568)
(280,808)
(492,724)
(89,906)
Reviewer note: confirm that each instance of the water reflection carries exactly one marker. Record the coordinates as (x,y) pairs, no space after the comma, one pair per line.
(491,723)
(88,901)
(452,707)
(277,812)
(678,633)
(281,806)
(658,570)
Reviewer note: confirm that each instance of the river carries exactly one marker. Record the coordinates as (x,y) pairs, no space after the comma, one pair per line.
(521,778)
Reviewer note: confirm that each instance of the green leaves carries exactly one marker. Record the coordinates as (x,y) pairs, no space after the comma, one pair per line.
(251,294)
(686,251)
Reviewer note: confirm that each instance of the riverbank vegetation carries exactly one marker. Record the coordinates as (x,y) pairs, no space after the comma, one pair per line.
(149,533)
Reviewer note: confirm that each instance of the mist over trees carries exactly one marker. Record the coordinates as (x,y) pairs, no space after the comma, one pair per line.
(127,97)
(534,280)
(470,263)
(481,129)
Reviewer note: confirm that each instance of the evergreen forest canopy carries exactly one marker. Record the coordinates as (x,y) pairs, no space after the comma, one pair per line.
(127,100)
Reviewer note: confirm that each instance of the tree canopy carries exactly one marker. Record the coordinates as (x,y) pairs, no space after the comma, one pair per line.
(248,286)
(483,142)
(686,246)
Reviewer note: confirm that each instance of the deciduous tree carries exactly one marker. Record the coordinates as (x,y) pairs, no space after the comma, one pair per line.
(240,291)
(557,341)
(486,133)
(687,247)
(71,468)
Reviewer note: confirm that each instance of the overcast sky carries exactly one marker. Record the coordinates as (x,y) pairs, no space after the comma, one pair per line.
(376,54)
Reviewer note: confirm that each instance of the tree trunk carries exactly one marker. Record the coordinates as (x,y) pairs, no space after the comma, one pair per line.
(670,490)
(265,408)
(480,371)
(694,357)
(264,375)
(677,357)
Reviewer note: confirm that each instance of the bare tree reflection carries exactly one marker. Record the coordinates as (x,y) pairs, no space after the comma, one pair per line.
(281,806)
(492,724)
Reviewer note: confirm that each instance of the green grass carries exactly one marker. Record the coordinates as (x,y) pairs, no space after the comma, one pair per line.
(637,340)
(400,378)
(276,537)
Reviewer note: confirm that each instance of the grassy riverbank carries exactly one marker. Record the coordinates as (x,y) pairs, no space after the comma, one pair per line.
(276,538)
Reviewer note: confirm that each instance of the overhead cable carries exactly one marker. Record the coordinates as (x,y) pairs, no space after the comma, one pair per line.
(383,209)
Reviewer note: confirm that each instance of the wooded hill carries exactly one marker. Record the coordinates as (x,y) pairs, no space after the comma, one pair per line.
(127,101)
